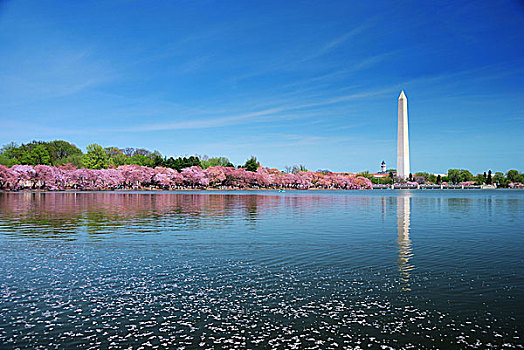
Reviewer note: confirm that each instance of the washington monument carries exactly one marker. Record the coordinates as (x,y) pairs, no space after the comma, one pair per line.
(402,137)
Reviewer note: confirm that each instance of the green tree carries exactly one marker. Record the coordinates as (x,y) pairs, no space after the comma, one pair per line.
(459,175)
(170,163)
(513,176)
(366,174)
(454,175)
(252,164)
(218,161)
(157,158)
(141,159)
(5,160)
(181,163)
(500,179)
(7,154)
(489,179)
(423,174)
(96,157)
(40,155)
(439,179)
(59,149)
(194,161)
(116,157)
(25,158)
(465,175)
(479,179)
(76,160)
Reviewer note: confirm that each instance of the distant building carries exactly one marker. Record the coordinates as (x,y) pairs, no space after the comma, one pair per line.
(381,174)
(383,167)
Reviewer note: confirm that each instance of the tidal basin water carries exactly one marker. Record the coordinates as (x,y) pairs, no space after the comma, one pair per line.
(313,269)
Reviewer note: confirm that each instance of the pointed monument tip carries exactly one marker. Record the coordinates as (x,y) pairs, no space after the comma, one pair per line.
(402,95)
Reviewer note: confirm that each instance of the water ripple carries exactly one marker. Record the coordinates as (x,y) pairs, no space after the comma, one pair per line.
(314,271)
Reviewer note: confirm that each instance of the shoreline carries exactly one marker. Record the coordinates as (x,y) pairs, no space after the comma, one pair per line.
(183,190)
(250,189)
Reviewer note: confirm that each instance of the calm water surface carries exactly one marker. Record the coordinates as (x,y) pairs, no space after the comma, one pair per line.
(370,269)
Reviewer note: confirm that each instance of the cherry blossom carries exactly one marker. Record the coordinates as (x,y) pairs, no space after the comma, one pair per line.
(140,177)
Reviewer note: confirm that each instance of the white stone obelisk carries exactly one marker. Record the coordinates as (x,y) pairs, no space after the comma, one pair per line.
(402,137)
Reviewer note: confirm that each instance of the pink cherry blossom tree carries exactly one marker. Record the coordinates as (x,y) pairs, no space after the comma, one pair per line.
(135,176)
(7,178)
(216,175)
(25,175)
(194,177)
(49,177)
(82,179)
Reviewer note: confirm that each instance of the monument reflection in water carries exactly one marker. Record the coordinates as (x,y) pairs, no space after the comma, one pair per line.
(405,250)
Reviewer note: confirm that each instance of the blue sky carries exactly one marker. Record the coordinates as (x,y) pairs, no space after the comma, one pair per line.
(310,82)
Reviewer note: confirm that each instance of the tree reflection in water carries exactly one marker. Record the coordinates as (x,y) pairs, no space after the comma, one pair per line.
(68,214)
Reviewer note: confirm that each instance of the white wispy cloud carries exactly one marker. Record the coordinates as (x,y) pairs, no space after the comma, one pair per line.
(294,58)
(291,106)
(353,67)
(335,43)
(55,73)
(204,123)
(276,140)
(256,116)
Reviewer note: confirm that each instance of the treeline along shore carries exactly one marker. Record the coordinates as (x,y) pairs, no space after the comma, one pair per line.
(20,177)
(60,165)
